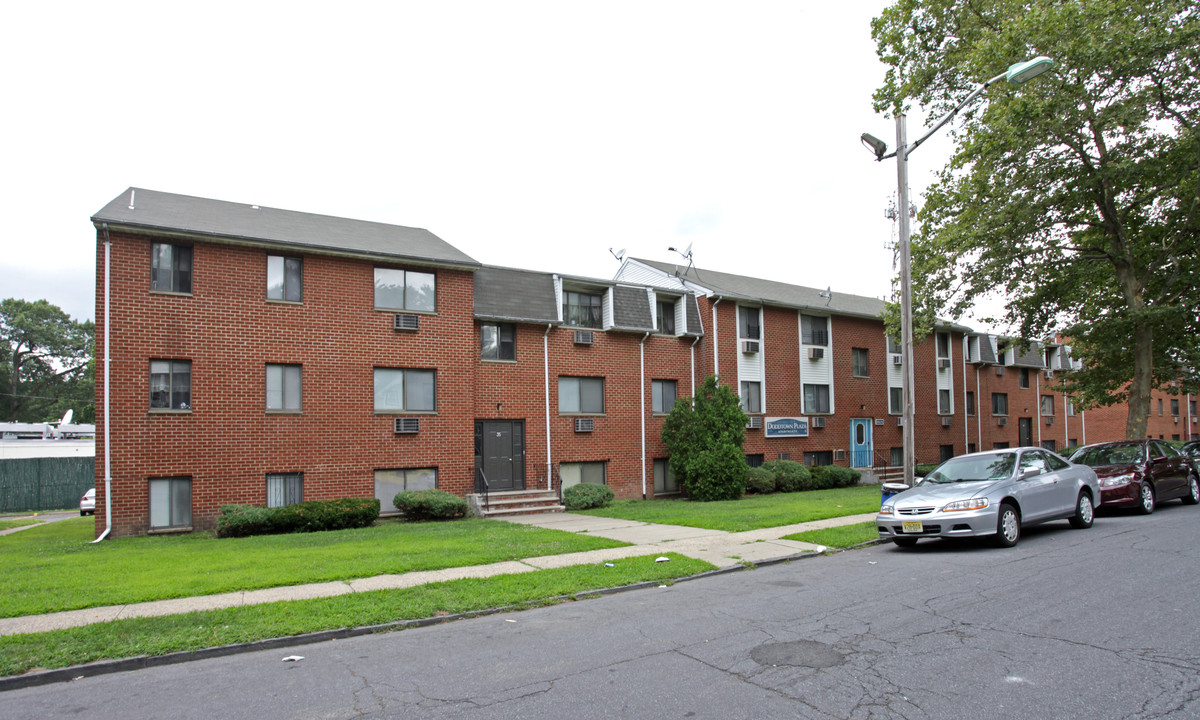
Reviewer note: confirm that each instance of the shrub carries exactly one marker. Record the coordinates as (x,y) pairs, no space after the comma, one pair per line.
(923,469)
(717,473)
(833,476)
(430,505)
(585,496)
(311,516)
(790,476)
(760,480)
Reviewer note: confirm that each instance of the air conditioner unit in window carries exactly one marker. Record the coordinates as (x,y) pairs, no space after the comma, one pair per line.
(406,321)
(1002,421)
(1176,418)
(584,337)
(946,421)
(1195,419)
(900,421)
(818,422)
(897,360)
(749,346)
(999,370)
(943,363)
(585,424)
(1049,420)
(839,454)
(754,423)
(1048,374)
(785,456)
(407,426)
(816,353)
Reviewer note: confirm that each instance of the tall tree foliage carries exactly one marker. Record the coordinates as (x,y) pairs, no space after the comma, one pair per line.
(1075,198)
(45,363)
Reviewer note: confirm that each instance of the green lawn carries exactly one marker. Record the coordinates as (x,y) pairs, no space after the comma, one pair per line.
(751,512)
(193,631)
(843,536)
(55,567)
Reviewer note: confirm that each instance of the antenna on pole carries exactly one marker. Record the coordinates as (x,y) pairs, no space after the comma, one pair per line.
(619,255)
(687,255)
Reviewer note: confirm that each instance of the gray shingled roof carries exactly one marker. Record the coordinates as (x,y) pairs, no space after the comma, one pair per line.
(631,309)
(155,211)
(515,295)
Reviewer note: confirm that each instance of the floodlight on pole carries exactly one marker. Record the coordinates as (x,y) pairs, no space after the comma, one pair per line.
(1017,74)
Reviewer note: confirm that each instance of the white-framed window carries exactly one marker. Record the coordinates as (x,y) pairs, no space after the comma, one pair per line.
(816,398)
(284,489)
(170,384)
(583,309)
(1047,405)
(171,268)
(580,395)
(893,346)
(170,502)
(389,482)
(751,397)
(970,402)
(405,290)
(664,479)
(283,387)
(895,400)
(943,402)
(814,330)
(665,311)
(574,473)
(498,341)
(405,390)
(285,278)
(748,322)
(999,403)
(943,345)
(664,392)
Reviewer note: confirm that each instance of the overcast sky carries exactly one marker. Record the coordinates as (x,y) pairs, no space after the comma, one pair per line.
(527,134)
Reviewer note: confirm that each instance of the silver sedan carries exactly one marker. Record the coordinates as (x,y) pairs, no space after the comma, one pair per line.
(992,493)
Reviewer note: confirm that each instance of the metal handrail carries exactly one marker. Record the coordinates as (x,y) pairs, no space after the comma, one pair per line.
(482,486)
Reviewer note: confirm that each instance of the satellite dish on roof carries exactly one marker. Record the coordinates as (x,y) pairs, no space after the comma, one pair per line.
(619,255)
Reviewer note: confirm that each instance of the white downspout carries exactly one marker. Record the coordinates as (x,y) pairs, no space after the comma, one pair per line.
(546,368)
(716,342)
(642,393)
(966,420)
(107,386)
(694,365)
(1037,402)
(1189,416)
(978,414)
(1083,426)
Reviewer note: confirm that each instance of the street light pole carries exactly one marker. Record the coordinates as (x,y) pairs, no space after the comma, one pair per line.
(1016,74)
(907,383)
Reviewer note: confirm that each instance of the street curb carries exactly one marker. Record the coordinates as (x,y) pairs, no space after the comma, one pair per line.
(106,667)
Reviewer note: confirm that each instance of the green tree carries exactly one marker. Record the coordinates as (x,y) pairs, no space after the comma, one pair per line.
(704,436)
(45,363)
(1074,198)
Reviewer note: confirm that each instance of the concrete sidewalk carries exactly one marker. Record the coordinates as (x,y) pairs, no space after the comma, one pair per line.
(722,549)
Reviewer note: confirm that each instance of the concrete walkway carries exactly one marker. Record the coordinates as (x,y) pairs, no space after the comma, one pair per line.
(722,549)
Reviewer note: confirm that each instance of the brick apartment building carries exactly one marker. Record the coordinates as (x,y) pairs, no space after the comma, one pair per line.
(256,355)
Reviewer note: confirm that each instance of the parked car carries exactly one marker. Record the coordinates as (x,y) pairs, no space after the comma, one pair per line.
(994,493)
(87,503)
(1141,473)
(1191,448)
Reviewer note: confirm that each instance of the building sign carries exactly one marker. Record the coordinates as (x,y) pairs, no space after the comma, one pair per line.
(785,427)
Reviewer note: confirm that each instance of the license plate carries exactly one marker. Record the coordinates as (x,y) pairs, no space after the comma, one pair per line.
(913,526)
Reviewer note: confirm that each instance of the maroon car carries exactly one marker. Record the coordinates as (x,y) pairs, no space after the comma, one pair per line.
(1140,473)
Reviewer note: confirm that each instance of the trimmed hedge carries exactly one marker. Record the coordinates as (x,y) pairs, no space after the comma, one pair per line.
(790,476)
(431,505)
(586,496)
(760,481)
(833,476)
(310,516)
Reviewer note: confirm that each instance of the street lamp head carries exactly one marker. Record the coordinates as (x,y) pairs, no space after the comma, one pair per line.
(1022,72)
(874,144)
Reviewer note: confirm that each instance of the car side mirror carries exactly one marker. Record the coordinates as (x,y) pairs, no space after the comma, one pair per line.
(1031,472)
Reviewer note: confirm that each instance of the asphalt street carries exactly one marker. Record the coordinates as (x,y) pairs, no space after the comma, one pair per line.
(1097,623)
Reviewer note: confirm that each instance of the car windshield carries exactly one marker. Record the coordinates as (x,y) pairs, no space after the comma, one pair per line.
(977,468)
(1126,454)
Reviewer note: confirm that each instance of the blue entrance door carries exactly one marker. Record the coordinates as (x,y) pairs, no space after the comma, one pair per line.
(860,442)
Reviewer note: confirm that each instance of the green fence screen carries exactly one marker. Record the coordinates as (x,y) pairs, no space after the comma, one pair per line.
(53,483)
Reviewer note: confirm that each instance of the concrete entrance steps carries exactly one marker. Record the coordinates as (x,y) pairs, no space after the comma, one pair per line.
(516,502)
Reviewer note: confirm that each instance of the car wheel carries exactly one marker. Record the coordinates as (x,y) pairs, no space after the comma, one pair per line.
(904,542)
(1193,496)
(1008,526)
(1146,506)
(1084,512)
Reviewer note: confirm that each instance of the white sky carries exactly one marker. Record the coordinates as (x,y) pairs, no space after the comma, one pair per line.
(527,134)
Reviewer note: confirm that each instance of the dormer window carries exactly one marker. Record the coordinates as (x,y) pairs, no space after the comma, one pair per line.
(665,316)
(583,309)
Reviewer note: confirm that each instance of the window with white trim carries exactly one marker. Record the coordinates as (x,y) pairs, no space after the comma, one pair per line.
(583,309)
(498,341)
(663,392)
(814,330)
(575,473)
(748,322)
(580,395)
(170,384)
(405,390)
(665,310)
(171,268)
(284,489)
(816,398)
(390,482)
(664,478)
(410,290)
(170,502)
(285,278)
(283,388)
(751,397)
